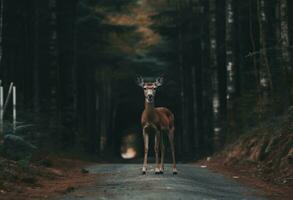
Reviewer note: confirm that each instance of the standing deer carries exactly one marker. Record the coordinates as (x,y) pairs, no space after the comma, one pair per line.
(159,121)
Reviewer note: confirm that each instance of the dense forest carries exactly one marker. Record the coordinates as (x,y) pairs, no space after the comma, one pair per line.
(226,65)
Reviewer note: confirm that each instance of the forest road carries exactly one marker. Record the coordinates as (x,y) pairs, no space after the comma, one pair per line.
(125,181)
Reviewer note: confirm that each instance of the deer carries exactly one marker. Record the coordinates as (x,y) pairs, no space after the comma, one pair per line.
(158,121)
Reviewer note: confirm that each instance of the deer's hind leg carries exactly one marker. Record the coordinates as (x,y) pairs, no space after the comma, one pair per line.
(171,140)
(146,149)
(162,153)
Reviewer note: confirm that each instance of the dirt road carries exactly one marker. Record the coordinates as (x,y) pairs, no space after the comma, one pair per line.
(125,181)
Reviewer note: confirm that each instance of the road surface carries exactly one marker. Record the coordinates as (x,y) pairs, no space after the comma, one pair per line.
(125,182)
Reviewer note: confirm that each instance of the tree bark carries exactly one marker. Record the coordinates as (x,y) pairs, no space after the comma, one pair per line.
(207,98)
(284,44)
(229,51)
(54,70)
(1,32)
(230,69)
(195,110)
(214,73)
(221,60)
(184,137)
(265,80)
(36,60)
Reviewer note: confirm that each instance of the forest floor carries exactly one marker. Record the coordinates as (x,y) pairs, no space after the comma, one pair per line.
(249,176)
(49,177)
(62,178)
(262,159)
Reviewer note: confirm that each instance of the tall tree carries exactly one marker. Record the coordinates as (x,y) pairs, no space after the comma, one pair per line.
(221,61)
(230,65)
(284,44)
(265,80)
(36,59)
(54,70)
(207,94)
(182,68)
(214,71)
(1,31)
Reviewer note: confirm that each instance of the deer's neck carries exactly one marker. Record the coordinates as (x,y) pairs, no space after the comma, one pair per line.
(149,106)
(149,116)
(149,109)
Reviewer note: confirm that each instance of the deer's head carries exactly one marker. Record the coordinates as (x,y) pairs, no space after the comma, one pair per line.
(150,88)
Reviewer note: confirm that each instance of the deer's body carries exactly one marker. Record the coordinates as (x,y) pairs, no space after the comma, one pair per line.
(158,121)
(160,117)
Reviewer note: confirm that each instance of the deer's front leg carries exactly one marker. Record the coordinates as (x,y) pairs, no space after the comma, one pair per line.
(146,149)
(157,145)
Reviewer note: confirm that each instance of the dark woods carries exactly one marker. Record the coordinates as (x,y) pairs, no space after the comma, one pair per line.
(227,67)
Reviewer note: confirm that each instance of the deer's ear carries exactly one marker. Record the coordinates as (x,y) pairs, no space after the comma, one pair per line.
(140,81)
(159,81)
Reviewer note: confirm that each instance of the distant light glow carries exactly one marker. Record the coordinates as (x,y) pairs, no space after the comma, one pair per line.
(129,154)
(129,146)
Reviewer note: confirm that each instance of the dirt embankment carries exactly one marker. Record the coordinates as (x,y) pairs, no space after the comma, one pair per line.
(46,178)
(262,158)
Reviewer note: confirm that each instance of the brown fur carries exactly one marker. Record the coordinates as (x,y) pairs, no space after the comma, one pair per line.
(162,117)
(158,121)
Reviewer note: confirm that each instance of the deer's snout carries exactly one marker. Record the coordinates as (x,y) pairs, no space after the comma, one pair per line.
(150,96)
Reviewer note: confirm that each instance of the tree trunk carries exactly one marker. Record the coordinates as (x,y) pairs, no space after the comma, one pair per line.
(265,80)
(74,66)
(207,88)
(230,68)
(36,60)
(106,110)
(54,71)
(214,73)
(184,136)
(284,44)
(229,51)
(1,32)
(221,61)
(195,111)
(98,119)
